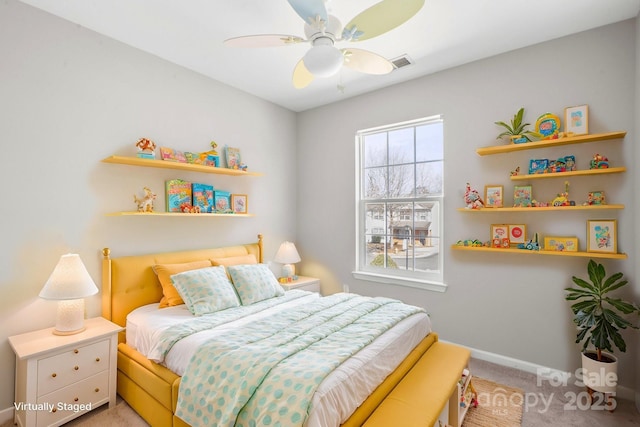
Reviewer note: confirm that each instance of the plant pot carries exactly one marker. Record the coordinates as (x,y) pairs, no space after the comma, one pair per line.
(600,376)
(518,139)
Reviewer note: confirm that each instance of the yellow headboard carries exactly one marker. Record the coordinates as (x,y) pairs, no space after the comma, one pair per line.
(129,282)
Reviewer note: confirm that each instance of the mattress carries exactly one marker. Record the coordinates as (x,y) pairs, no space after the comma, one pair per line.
(338,395)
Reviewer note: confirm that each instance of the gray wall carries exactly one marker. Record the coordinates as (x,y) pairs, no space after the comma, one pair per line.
(512,305)
(68,99)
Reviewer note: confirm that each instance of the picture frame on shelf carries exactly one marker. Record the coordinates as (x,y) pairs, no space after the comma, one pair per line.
(222,202)
(239,203)
(499,232)
(602,236)
(517,233)
(576,120)
(232,157)
(522,196)
(493,196)
(561,244)
(538,166)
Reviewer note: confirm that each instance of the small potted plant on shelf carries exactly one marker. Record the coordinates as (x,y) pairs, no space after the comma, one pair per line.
(599,318)
(517,131)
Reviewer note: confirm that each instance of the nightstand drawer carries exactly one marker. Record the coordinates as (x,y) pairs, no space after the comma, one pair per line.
(74,399)
(72,366)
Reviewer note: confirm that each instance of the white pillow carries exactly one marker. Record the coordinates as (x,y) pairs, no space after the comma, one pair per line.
(254,282)
(205,290)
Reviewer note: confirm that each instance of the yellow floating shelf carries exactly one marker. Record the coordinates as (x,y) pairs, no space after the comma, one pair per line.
(544,209)
(568,174)
(507,148)
(183,214)
(541,252)
(165,164)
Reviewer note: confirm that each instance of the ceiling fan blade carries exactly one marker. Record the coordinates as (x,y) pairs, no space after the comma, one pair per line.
(366,62)
(301,76)
(263,40)
(380,18)
(309,9)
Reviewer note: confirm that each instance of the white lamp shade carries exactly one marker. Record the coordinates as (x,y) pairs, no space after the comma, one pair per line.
(69,280)
(323,60)
(287,254)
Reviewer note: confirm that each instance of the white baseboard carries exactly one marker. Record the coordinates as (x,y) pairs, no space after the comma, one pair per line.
(6,415)
(533,368)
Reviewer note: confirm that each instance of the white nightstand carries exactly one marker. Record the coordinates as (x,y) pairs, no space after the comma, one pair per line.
(311,284)
(60,377)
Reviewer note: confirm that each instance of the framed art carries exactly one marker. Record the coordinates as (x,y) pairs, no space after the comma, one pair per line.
(493,196)
(522,196)
(576,120)
(602,236)
(239,203)
(232,157)
(538,166)
(517,233)
(222,202)
(560,244)
(499,233)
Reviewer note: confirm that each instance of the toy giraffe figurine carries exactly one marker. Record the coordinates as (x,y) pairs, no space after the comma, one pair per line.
(472,198)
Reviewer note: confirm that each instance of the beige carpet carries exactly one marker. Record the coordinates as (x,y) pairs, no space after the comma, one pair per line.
(498,405)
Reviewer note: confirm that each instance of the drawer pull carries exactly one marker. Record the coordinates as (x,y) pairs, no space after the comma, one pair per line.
(75,399)
(54,375)
(97,359)
(97,389)
(75,368)
(76,351)
(54,409)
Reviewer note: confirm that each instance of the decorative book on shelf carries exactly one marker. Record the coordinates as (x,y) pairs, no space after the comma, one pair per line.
(178,193)
(222,202)
(202,197)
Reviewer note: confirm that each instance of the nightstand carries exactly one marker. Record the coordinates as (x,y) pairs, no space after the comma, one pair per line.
(311,284)
(60,377)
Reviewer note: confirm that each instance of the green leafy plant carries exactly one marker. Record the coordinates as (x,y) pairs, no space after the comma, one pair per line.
(600,317)
(517,127)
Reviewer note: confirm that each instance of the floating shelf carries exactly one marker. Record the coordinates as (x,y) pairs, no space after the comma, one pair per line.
(183,214)
(544,209)
(568,174)
(541,252)
(165,164)
(507,148)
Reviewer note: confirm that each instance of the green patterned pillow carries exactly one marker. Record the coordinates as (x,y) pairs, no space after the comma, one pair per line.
(205,290)
(254,282)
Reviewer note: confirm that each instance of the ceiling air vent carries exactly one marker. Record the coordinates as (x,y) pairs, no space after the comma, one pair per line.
(401,61)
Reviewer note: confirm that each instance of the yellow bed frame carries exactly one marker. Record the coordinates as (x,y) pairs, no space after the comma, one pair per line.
(414,394)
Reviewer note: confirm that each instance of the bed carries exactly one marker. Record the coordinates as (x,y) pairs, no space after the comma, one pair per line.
(353,394)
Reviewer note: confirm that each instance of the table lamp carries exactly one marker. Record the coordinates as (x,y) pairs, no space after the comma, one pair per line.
(287,255)
(69,284)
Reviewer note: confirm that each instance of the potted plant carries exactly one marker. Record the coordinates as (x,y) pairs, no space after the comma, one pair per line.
(599,318)
(517,131)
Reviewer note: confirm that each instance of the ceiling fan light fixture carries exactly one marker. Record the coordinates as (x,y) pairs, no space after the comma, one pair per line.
(323,60)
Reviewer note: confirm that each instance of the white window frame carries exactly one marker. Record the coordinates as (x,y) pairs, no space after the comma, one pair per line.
(424,280)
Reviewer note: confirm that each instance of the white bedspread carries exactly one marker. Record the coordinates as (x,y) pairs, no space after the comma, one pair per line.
(340,393)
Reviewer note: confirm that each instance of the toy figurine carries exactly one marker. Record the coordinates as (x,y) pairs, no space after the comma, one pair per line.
(472,198)
(146,203)
(599,162)
(516,171)
(563,198)
(146,148)
(531,245)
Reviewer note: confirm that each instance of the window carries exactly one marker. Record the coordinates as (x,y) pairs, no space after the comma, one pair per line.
(399,207)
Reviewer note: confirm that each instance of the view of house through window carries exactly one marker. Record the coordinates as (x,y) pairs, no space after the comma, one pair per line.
(400,191)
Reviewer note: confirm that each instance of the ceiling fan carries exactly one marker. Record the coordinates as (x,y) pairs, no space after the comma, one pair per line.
(323,31)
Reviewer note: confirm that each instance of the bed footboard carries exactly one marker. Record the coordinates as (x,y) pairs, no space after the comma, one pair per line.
(152,390)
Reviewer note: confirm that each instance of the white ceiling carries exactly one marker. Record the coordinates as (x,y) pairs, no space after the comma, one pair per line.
(444,34)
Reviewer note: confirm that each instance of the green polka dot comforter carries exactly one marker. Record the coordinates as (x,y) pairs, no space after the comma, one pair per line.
(266,373)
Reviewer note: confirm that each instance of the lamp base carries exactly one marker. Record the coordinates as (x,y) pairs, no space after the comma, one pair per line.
(70,317)
(288,270)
